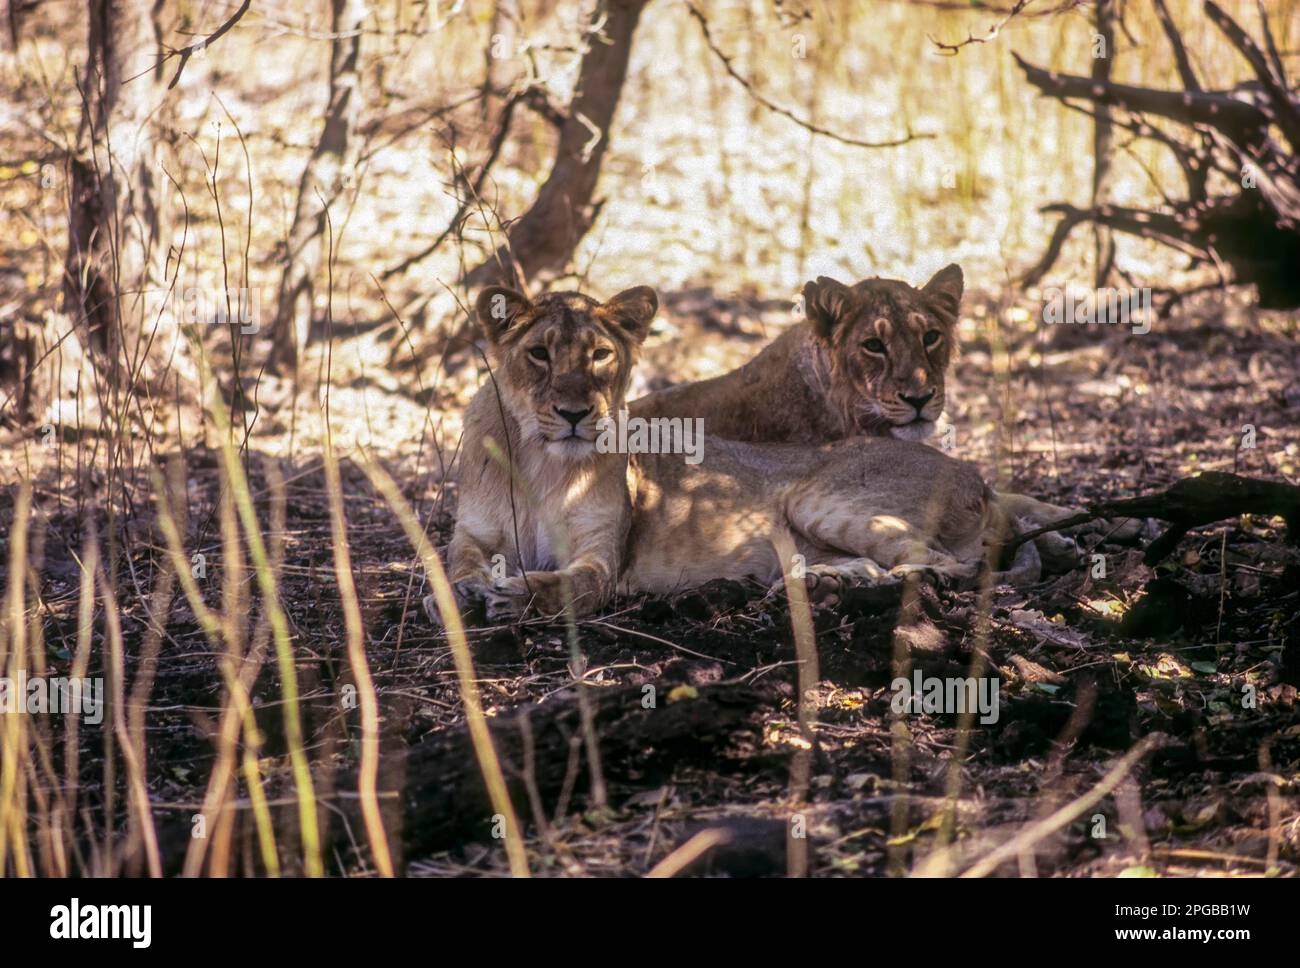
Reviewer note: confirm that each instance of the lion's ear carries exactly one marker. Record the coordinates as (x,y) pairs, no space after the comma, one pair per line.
(634,310)
(497,309)
(946,288)
(826,302)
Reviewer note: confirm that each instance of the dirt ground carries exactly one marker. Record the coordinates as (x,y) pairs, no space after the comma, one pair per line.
(726,208)
(1089,666)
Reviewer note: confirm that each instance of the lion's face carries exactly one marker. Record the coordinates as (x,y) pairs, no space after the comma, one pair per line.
(564,360)
(889,346)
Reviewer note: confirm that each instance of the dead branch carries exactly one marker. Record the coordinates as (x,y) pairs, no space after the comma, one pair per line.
(1190,503)
(475,186)
(1239,119)
(185,53)
(327,174)
(1254,231)
(775,108)
(952,50)
(1285,112)
(1179,48)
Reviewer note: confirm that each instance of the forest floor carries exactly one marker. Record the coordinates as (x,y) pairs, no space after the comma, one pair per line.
(1202,653)
(1200,657)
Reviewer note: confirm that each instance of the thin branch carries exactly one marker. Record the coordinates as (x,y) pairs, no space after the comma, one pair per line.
(185,53)
(1180,50)
(1035,832)
(775,108)
(950,50)
(476,187)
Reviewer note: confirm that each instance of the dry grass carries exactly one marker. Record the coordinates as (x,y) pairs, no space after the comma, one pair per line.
(224,701)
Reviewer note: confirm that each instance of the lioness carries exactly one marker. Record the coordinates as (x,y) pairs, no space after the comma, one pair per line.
(570,515)
(869,359)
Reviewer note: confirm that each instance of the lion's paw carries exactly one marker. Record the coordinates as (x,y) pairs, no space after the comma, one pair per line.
(537,593)
(507,599)
(826,583)
(469,594)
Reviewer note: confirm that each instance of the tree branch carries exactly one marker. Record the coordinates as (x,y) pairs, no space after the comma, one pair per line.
(1190,503)
(775,108)
(1238,119)
(185,53)
(951,50)
(1284,111)
(1184,63)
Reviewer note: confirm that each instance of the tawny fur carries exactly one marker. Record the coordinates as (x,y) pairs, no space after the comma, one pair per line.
(575,523)
(825,378)
(820,381)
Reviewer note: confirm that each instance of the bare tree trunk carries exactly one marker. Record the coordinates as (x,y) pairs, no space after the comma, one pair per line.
(543,240)
(17,11)
(324,178)
(113,205)
(19,351)
(1102,140)
(499,68)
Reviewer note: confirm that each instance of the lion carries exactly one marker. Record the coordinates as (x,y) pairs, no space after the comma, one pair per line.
(548,517)
(869,359)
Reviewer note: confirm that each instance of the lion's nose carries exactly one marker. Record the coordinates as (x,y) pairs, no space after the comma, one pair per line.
(917,402)
(573,416)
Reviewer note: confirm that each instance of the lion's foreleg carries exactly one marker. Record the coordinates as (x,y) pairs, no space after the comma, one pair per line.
(470,565)
(468,570)
(587,583)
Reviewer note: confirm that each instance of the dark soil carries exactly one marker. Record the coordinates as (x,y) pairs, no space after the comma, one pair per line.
(1203,650)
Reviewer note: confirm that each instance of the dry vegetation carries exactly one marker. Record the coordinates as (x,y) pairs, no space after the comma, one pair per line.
(253,604)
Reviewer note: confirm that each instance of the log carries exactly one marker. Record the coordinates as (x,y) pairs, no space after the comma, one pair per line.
(1190,503)
(444,801)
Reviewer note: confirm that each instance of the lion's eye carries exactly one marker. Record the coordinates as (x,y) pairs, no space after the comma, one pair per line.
(932,337)
(602,354)
(874,346)
(539,353)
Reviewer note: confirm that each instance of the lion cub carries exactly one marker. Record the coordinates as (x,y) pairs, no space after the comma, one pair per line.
(576,521)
